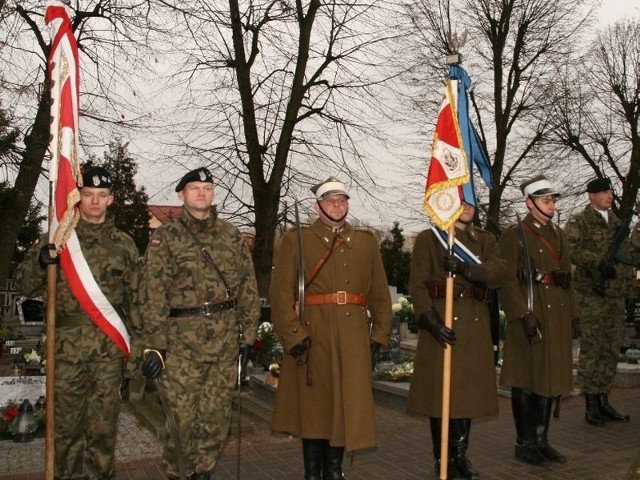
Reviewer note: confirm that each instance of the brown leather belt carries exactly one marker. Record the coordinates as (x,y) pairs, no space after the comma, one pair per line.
(337,298)
(438,290)
(205,310)
(560,278)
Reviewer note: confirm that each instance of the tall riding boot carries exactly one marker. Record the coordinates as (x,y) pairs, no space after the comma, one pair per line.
(436,428)
(526,446)
(459,429)
(332,463)
(542,418)
(312,454)
(608,411)
(592,414)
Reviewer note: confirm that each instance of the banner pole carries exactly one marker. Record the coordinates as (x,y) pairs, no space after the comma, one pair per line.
(50,356)
(446,367)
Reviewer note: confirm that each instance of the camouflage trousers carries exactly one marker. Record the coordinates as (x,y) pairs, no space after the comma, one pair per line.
(199,394)
(87,405)
(602,324)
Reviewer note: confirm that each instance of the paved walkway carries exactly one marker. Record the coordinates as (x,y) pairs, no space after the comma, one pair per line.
(404,453)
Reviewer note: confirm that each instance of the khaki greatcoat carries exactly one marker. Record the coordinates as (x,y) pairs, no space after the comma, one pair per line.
(473,379)
(339,404)
(544,368)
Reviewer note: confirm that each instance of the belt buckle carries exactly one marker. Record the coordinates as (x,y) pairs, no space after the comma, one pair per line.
(342,297)
(207,311)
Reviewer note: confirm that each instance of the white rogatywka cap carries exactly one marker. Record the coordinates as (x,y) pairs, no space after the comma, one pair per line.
(539,187)
(331,186)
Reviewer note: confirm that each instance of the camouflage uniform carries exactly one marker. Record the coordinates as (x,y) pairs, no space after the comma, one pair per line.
(89,366)
(201,351)
(602,317)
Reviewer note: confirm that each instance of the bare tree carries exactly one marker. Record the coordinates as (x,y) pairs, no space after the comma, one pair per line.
(110,37)
(511,51)
(283,93)
(597,111)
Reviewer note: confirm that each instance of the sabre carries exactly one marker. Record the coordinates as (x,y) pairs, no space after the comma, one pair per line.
(175,433)
(528,269)
(300,265)
(301,282)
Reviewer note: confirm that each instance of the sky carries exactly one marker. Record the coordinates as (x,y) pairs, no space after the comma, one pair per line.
(613,10)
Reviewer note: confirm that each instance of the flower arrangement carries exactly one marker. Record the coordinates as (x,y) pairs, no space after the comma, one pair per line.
(399,373)
(33,357)
(403,309)
(8,427)
(266,348)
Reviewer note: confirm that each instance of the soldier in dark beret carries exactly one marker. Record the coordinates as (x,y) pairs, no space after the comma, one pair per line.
(602,287)
(88,365)
(324,394)
(542,316)
(199,291)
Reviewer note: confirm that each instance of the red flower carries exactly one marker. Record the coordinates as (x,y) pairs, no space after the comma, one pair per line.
(257,345)
(10,413)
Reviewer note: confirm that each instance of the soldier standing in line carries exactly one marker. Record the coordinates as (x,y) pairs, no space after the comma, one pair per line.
(542,317)
(325,389)
(601,288)
(479,269)
(199,290)
(88,365)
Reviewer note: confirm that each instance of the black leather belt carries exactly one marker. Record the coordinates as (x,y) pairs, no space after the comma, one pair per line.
(205,310)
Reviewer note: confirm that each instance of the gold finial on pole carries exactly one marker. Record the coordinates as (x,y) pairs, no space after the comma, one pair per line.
(455,43)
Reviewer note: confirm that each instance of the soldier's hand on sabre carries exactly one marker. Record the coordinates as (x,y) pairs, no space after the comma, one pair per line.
(431,322)
(153,363)
(531,327)
(44,257)
(300,348)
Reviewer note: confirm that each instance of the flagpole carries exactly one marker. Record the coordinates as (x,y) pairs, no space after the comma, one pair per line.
(446,366)
(52,275)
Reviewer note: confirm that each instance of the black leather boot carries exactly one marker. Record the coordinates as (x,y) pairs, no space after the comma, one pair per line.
(436,430)
(542,417)
(526,446)
(592,413)
(608,411)
(202,476)
(459,429)
(332,463)
(312,454)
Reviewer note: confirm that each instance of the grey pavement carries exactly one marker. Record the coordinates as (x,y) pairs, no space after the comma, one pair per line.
(404,451)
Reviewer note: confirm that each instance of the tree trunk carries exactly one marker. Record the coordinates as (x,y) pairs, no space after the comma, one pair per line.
(15,204)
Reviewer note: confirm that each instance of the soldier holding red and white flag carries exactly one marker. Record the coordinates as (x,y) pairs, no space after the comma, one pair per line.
(454,265)
(93,289)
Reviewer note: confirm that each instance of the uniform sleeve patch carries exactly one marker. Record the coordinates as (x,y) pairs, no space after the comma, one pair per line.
(154,243)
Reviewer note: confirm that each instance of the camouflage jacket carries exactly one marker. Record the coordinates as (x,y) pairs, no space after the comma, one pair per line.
(112,257)
(176,275)
(590,237)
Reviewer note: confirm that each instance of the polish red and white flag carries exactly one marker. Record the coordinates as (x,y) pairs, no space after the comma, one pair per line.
(64,74)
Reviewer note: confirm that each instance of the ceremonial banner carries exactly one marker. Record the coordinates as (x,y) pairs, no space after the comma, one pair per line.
(456,148)
(64,172)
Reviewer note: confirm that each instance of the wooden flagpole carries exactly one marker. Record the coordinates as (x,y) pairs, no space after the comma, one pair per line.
(446,367)
(52,275)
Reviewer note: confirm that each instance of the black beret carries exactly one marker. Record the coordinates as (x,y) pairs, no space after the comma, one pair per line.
(599,185)
(197,175)
(96,177)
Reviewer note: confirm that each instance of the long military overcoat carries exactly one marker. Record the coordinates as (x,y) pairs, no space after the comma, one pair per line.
(544,368)
(473,378)
(338,406)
